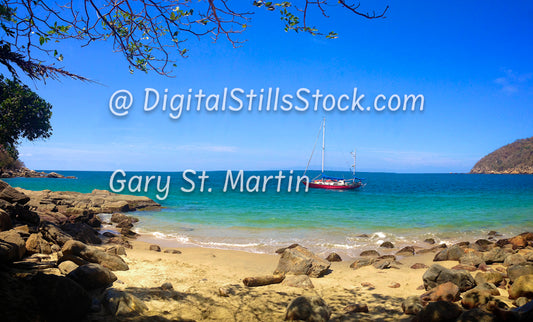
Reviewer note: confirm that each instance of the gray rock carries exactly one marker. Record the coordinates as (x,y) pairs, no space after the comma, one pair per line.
(449,254)
(301,261)
(172,251)
(93,276)
(308,308)
(155,248)
(334,257)
(301,281)
(116,250)
(123,304)
(406,251)
(471,259)
(360,262)
(11,195)
(495,255)
(66,267)
(387,244)
(74,248)
(522,287)
(430,241)
(82,232)
(36,244)
(515,271)
(438,274)
(514,259)
(493,277)
(488,288)
(12,246)
(483,245)
(412,305)
(369,253)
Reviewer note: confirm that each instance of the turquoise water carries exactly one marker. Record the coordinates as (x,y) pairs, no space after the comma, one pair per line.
(403,208)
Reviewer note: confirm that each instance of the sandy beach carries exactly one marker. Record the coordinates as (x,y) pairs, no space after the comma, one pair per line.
(197,274)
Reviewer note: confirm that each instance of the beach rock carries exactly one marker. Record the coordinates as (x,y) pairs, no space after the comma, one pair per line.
(394,285)
(438,274)
(441,311)
(518,242)
(368,285)
(172,251)
(12,246)
(471,259)
(514,259)
(167,286)
(300,261)
(54,234)
(515,271)
(11,195)
(382,263)
(412,305)
(494,233)
(487,287)
(493,277)
(369,253)
(5,221)
(521,301)
(495,255)
(406,251)
(529,257)
(355,308)
(334,257)
(308,308)
(443,292)
(465,268)
(522,287)
(59,298)
(360,262)
(419,266)
(90,254)
(475,298)
(36,244)
(93,276)
(387,244)
(476,315)
(301,281)
(116,250)
(66,267)
(125,224)
(483,245)
(155,248)
(501,242)
(123,304)
(126,232)
(449,254)
(430,241)
(109,234)
(82,232)
(120,240)
(281,250)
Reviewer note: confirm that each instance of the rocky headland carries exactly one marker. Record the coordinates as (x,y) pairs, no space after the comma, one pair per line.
(57,264)
(23,172)
(514,158)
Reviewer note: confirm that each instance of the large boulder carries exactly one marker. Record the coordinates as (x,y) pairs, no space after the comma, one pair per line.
(54,234)
(12,246)
(444,292)
(92,276)
(60,298)
(475,298)
(471,259)
(5,221)
(449,254)
(75,249)
(441,311)
(515,271)
(495,255)
(308,308)
(412,305)
(123,304)
(300,261)
(438,274)
(522,287)
(36,244)
(82,232)
(493,277)
(11,195)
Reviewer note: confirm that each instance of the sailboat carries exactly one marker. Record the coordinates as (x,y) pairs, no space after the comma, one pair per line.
(323,181)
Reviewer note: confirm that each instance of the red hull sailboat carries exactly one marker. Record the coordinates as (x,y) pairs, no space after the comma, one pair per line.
(323,181)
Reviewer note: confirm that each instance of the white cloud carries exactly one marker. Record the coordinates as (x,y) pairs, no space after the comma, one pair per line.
(512,81)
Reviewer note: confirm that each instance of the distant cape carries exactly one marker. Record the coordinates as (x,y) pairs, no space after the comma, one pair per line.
(514,158)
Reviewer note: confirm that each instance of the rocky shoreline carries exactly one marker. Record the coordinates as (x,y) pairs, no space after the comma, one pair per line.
(57,265)
(27,173)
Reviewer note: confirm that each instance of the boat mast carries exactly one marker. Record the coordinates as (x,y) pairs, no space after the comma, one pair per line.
(353,153)
(323,141)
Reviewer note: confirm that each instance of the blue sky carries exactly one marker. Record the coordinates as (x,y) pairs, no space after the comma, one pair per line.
(471,61)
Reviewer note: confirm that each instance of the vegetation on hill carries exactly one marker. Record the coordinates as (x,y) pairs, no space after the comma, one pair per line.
(514,158)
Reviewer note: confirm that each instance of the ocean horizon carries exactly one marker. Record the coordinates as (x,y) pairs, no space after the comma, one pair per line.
(403,208)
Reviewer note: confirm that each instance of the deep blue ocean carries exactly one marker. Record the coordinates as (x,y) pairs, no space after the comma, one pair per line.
(402,208)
